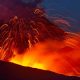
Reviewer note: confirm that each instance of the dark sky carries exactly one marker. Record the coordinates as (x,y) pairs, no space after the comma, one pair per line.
(65,8)
(72,7)
(68,7)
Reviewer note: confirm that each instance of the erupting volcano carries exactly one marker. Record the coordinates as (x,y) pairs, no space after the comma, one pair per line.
(29,39)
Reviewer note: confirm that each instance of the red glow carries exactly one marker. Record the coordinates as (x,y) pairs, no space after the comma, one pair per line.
(60,57)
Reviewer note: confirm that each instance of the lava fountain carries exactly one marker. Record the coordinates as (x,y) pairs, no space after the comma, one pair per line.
(39,43)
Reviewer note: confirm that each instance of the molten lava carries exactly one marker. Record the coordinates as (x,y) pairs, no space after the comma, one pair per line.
(36,42)
(61,57)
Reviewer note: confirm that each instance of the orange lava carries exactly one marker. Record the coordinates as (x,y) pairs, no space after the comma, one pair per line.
(57,56)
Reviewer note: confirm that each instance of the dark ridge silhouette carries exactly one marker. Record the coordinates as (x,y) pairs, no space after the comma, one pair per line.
(10,71)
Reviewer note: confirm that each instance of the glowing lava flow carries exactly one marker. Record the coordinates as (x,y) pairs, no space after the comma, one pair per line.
(56,56)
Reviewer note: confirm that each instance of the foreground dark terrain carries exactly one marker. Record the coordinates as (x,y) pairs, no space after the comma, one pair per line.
(10,71)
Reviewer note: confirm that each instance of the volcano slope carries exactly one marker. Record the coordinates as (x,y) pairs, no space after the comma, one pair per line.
(10,71)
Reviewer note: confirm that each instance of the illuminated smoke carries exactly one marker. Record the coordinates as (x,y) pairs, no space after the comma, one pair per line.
(21,34)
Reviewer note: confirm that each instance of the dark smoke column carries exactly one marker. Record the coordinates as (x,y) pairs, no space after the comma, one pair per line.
(10,71)
(20,8)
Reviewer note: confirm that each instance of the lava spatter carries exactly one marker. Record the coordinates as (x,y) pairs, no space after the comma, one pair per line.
(21,34)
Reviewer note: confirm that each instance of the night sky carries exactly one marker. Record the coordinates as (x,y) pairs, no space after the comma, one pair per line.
(63,8)
(69,7)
